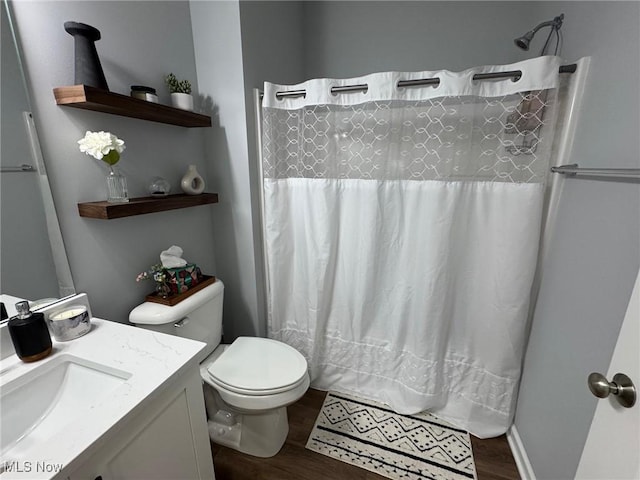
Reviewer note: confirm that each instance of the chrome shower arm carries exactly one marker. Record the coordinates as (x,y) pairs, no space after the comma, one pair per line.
(555,23)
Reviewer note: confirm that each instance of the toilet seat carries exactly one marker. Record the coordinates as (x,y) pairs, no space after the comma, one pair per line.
(273,391)
(258,367)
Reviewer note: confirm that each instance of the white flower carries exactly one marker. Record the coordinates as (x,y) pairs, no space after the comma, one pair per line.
(100,144)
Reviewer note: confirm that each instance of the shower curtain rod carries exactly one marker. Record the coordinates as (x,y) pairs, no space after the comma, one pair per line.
(513,74)
(574,169)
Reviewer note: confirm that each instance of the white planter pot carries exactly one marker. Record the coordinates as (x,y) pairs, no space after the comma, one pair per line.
(184,101)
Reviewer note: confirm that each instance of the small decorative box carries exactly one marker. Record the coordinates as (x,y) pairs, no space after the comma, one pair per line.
(183,278)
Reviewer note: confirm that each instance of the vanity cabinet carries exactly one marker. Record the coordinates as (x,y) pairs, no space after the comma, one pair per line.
(165,438)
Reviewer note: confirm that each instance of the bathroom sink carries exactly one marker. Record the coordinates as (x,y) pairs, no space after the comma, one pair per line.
(39,404)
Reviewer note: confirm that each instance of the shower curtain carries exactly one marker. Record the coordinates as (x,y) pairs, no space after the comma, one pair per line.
(401,233)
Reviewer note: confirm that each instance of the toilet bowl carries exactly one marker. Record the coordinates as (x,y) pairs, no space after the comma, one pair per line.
(247,385)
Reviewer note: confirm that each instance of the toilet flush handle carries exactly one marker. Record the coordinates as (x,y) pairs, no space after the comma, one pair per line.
(182,322)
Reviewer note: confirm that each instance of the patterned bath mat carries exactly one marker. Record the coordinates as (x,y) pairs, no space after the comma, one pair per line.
(372,436)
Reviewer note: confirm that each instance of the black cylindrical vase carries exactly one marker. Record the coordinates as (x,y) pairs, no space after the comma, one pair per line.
(88,68)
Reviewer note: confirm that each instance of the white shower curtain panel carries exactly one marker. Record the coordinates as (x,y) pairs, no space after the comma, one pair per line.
(401,234)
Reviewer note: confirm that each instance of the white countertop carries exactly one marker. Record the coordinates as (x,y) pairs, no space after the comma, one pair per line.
(152,359)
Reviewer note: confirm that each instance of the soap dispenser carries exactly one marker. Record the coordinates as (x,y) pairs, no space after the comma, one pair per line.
(29,334)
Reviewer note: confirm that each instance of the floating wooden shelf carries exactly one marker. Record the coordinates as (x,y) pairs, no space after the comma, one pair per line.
(96,99)
(143,205)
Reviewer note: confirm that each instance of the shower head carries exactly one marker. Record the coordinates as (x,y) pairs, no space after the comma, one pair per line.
(524,41)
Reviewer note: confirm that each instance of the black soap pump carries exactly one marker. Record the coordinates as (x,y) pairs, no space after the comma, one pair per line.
(29,334)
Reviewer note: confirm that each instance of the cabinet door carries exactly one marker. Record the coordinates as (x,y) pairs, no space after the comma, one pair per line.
(165,442)
(162,449)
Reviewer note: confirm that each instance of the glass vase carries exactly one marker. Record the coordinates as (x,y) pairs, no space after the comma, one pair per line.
(116,187)
(162,290)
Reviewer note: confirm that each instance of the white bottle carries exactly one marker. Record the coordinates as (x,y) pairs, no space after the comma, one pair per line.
(192,183)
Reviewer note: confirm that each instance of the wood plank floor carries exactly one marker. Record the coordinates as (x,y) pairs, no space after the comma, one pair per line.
(294,462)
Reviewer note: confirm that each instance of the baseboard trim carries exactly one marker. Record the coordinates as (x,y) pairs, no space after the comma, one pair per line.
(520,454)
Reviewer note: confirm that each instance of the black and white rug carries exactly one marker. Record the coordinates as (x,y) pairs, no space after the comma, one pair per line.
(372,436)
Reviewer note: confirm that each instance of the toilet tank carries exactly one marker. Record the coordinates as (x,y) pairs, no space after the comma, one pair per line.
(198,317)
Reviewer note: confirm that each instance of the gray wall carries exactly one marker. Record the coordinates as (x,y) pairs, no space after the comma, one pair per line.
(347,38)
(272,50)
(594,250)
(141,42)
(217,40)
(27,264)
(238,46)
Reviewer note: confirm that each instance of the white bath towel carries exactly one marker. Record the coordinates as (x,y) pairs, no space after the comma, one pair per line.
(172,257)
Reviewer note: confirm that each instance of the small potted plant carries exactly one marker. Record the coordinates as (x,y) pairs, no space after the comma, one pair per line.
(180,92)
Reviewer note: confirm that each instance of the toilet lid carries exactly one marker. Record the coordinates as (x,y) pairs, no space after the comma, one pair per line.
(258,366)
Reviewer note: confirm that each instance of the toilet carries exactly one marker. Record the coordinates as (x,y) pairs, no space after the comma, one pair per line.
(247,385)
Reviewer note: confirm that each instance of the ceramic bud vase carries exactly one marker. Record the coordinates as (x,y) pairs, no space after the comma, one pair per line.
(192,183)
(116,187)
(183,101)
